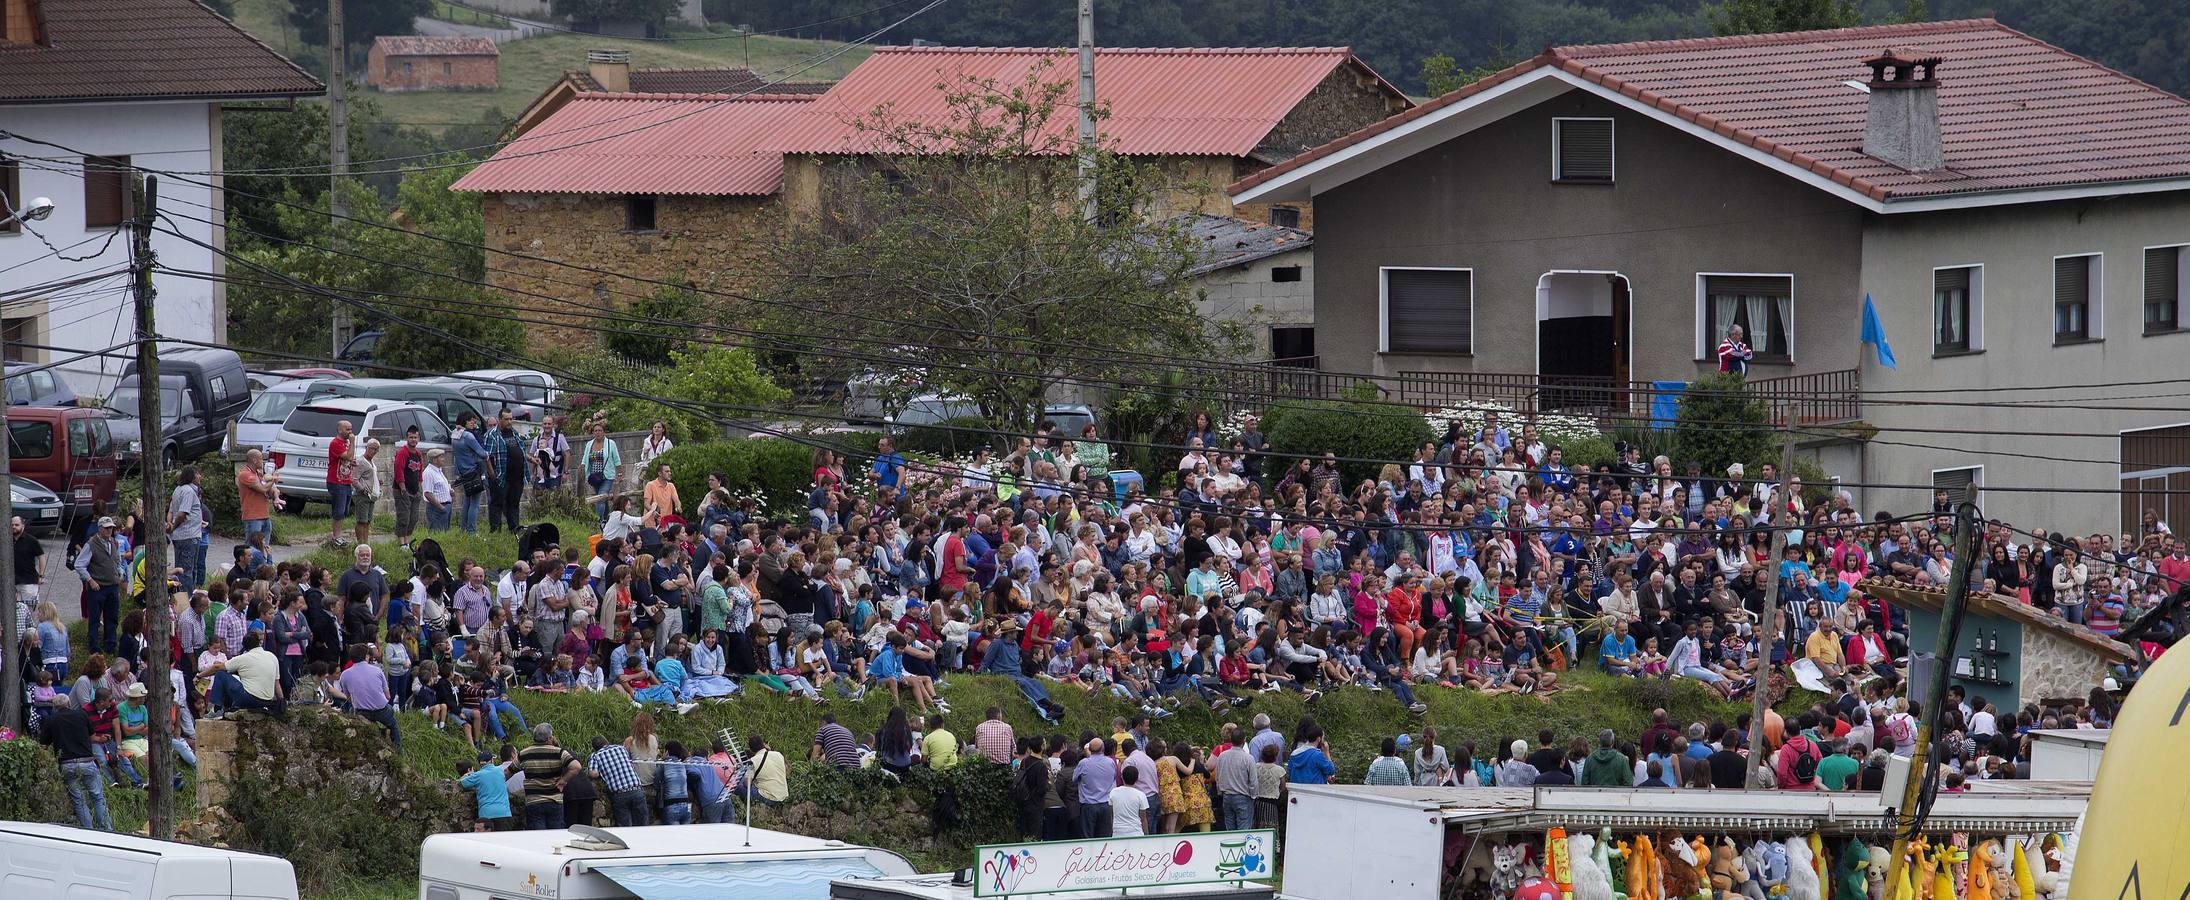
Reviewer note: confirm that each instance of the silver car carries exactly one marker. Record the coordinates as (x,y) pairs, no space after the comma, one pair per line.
(39,507)
(299,456)
(261,422)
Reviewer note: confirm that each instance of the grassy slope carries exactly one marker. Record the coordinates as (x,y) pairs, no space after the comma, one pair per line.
(528,66)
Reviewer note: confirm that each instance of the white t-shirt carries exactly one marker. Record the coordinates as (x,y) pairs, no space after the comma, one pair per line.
(1127,803)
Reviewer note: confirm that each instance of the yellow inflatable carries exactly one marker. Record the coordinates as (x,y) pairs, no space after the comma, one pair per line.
(2139,818)
(2026,887)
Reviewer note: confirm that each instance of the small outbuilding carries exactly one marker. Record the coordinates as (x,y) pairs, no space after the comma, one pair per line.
(420,63)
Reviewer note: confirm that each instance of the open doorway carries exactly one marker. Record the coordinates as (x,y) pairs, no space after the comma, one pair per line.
(1582,331)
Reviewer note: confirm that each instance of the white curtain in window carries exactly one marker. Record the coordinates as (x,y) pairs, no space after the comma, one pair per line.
(1760,322)
(1722,317)
(1786,323)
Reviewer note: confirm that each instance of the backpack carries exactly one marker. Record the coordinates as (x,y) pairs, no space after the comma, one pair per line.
(1805,762)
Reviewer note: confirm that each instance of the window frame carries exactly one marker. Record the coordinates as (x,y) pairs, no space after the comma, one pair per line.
(651,203)
(120,167)
(2182,288)
(1384,317)
(1297,273)
(1612,150)
(2094,299)
(1708,332)
(1974,318)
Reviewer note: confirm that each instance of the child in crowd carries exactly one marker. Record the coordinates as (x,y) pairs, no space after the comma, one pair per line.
(1653,662)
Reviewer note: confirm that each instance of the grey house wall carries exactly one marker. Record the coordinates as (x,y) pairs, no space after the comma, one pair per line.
(2016,246)
(1678,207)
(1248,296)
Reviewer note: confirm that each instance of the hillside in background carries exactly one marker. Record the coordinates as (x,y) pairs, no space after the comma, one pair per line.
(2149,39)
(529,65)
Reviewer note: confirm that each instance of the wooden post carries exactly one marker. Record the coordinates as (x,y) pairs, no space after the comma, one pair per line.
(1761,703)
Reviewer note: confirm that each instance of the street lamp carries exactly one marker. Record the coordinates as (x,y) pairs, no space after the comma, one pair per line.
(39,208)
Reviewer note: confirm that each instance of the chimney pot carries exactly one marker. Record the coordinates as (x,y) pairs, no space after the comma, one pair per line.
(611,69)
(1901,125)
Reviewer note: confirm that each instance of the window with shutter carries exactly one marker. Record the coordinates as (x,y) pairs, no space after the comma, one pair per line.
(1581,150)
(1953,303)
(1960,484)
(2162,289)
(11,195)
(106,191)
(1429,311)
(2072,298)
(1763,305)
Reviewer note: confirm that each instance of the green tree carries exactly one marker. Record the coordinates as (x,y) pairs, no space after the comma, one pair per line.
(1441,74)
(613,10)
(1767,16)
(1720,423)
(362,20)
(966,230)
(691,382)
(640,338)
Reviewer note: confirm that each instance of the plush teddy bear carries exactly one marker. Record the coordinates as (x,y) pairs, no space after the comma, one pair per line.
(1726,869)
(1874,871)
(1802,880)
(1591,881)
(1851,879)
(1983,882)
(1678,868)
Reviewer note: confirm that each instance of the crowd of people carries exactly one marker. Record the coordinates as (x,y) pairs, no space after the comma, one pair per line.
(1487,564)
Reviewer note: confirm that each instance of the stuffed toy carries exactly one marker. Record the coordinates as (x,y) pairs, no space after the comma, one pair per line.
(1558,863)
(1642,871)
(1982,885)
(1851,876)
(1946,857)
(1903,887)
(1752,861)
(1678,868)
(1591,880)
(2048,881)
(1700,852)
(1802,880)
(1927,870)
(1775,867)
(1819,861)
(2025,887)
(1508,868)
(2068,860)
(1744,883)
(2003,872)
(1622,884)
(1958,859)
(1726,869)
(1874,871)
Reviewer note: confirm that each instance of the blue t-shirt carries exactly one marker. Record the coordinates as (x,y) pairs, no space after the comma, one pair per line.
(1616,647)
(492,786)
(1309,765)
(886,468)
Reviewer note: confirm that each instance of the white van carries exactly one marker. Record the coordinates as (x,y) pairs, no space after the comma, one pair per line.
(62,862)
(661,862)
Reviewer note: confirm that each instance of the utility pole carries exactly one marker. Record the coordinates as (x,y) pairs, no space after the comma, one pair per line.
(1921,769)
(1087,108)
(11,634)
(159,605)
(1768,628)
(338,147)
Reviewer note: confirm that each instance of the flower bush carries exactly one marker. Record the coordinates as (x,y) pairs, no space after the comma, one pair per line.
(1553,427)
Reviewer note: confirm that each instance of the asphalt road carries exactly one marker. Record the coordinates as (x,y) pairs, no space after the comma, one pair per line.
(62,587)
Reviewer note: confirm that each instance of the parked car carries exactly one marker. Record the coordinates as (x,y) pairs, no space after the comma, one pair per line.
(39,506)
(359,349)
(445,401)
(261,380)
(42,387)
(68,449)
(529,387)
(202,389)
(261,421)
(1069,417)
(491,399)
(299,455)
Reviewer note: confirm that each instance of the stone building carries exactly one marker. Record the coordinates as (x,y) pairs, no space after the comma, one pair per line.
(682,186)
(1259,276)
(419,63)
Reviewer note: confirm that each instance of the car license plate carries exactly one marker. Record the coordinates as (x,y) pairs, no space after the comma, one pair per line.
(312,462)
(45,514)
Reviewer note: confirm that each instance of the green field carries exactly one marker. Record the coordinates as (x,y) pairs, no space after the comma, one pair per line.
(528,66)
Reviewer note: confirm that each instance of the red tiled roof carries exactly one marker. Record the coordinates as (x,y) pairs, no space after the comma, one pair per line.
(1198,101)
(2016,113)
(143,50)
(647,144)
(701,81)
(425,45)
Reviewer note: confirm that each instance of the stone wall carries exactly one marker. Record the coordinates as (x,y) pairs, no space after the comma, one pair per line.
(2057,668)
(710,242)
(1347,101)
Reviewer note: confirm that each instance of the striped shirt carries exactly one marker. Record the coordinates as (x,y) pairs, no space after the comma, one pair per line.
(837,745)
(1389,770)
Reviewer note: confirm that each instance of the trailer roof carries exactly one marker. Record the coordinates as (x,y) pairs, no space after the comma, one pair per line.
(2038,807)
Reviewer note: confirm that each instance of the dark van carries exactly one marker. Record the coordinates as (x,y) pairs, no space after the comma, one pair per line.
(66,449)
(202,391)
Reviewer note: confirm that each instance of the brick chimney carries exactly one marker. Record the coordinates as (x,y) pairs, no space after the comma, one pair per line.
(1902,126)
(610,68)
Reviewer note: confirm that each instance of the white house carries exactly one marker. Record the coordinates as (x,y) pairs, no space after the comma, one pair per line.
(118,83)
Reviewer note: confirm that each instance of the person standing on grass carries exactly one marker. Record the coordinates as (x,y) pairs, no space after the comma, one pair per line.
(409,483)
(185,525)
(67,730)
(1388,769)
(475,469)
(1128,806)
(340,466)
(255,494)
(436,491)
(546,765)
(489,784)
(366,490)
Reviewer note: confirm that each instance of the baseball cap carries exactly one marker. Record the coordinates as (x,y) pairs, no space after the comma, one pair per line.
(106,522)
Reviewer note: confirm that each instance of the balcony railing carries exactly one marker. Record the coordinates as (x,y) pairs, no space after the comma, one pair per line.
(1810,399)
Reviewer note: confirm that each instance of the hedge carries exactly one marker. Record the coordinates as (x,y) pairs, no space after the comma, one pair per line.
(780,471)
(1349,428)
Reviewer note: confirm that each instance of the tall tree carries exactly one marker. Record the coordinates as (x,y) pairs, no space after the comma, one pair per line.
(613,10)
(362,20)
(960,239)
(1768,16)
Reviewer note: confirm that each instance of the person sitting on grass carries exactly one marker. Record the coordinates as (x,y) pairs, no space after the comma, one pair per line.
(1618,653)
(431,694)
(706,673)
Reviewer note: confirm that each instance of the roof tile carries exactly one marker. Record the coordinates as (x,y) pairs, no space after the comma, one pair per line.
(427,45)
(143,50)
